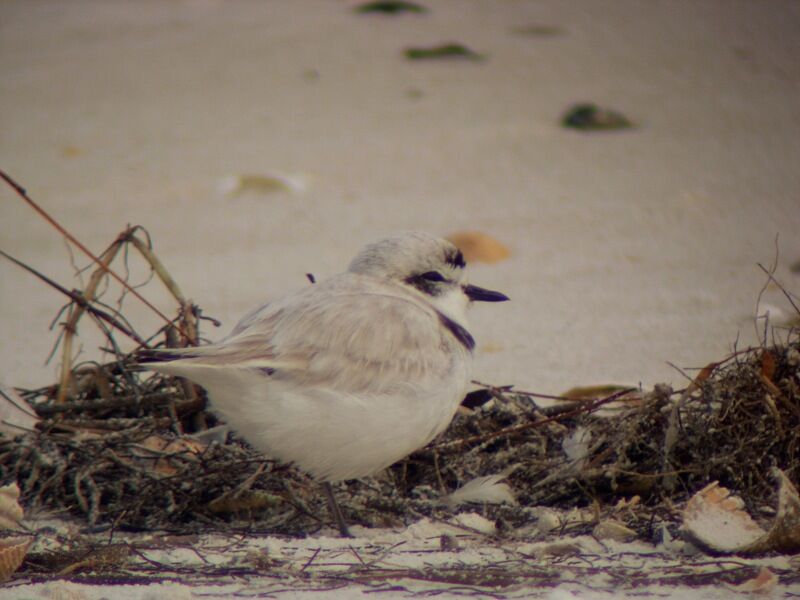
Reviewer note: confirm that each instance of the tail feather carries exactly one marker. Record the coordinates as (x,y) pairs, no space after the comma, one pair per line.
(150,356)
(190,362)
(169,361)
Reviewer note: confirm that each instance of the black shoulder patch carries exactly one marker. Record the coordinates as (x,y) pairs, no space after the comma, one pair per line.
(461,334)
(456,259)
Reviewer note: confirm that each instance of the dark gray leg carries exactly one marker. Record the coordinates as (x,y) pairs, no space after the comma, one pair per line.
(336,512)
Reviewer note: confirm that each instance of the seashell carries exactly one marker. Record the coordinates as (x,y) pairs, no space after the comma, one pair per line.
(10,511)
(715,520)
(613,530)
(12,553)
(261,184)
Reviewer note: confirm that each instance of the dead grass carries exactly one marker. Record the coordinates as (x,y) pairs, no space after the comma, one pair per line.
(109,448)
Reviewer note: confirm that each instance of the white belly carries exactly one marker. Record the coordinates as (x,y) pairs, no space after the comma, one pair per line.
(335,437)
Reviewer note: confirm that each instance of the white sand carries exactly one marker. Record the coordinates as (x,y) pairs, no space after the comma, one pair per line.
(631,249)
(410,563)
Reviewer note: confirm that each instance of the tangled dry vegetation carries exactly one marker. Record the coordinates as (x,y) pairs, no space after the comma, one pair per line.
(124,449)
(111,447)
(113,455)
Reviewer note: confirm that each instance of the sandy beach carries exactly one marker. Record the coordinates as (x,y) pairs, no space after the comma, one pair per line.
(630,249)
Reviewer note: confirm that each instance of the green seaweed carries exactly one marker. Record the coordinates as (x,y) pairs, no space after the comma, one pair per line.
(451,50)
(589,117)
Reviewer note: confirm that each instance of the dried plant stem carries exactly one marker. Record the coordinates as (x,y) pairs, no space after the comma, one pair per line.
(586,408)
(78,299)
(24,195)
(76,311)
(84,301)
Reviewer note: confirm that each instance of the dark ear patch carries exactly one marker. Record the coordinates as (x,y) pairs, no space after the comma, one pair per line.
(455,258)
(426,285)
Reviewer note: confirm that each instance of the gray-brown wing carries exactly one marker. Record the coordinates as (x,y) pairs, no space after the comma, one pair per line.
(349,338)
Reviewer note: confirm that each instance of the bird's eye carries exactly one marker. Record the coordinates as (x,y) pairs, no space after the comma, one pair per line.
(432,276)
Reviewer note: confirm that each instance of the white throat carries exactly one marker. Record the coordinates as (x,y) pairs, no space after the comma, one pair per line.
(454,305)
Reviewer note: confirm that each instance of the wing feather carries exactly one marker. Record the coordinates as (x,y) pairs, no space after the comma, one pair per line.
(349,333)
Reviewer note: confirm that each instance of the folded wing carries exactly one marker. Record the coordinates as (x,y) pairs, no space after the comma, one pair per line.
(347,335)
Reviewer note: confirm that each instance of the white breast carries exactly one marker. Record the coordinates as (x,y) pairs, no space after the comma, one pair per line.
(334,436)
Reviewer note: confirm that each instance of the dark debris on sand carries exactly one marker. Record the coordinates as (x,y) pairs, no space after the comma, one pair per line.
(117,460)
(120,448)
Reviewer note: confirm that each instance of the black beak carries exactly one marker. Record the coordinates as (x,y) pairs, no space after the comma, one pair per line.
(479,294)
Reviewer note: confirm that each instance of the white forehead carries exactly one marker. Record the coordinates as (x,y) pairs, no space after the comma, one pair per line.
(404,254)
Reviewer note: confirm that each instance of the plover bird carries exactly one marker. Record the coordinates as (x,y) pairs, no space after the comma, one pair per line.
(347,376)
